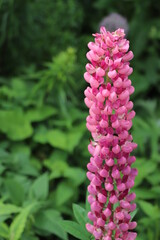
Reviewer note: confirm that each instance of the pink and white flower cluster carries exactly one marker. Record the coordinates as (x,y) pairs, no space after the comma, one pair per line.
(109,121)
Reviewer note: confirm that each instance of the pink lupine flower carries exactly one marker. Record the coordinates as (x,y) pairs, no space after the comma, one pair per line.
(110,119)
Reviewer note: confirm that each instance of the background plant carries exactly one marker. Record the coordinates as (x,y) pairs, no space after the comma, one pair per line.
(43,139)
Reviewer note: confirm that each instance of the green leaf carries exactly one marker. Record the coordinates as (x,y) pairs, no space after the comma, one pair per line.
(6,209)
(156,190)
(50,221)
(146,131)
(15,125)
(75,230)
(40,187)
(77,175)
(150,210)
(139,83)
(24,181)
(64,192)
(4,230)
(18,225)
(19,88)
(41,135)
(3,218)
(133,213)
(58,139)
(41,113)
(74,136)
(2,169)
(66,141)
(58,168)
(57,164)
(145,167)
(141,132)
(87,205)
(143,193)
(28,236)
(148,106)
(15,190)
(139,45)
(21,149)
(57,155)
(29,169)
(141,237)
(146,221)
(154,179)
(80,214)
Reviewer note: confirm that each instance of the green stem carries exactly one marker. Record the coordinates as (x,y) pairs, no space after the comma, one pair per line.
(107,78)
(157,231)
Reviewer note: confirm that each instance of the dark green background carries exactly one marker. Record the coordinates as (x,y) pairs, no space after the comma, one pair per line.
(43,138)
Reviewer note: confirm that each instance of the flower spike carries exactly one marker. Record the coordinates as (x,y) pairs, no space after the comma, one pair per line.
(110,120)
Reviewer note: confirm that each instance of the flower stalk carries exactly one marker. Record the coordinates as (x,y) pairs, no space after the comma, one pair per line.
(110,120)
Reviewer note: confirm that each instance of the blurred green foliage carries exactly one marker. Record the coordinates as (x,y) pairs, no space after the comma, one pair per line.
(43,139)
